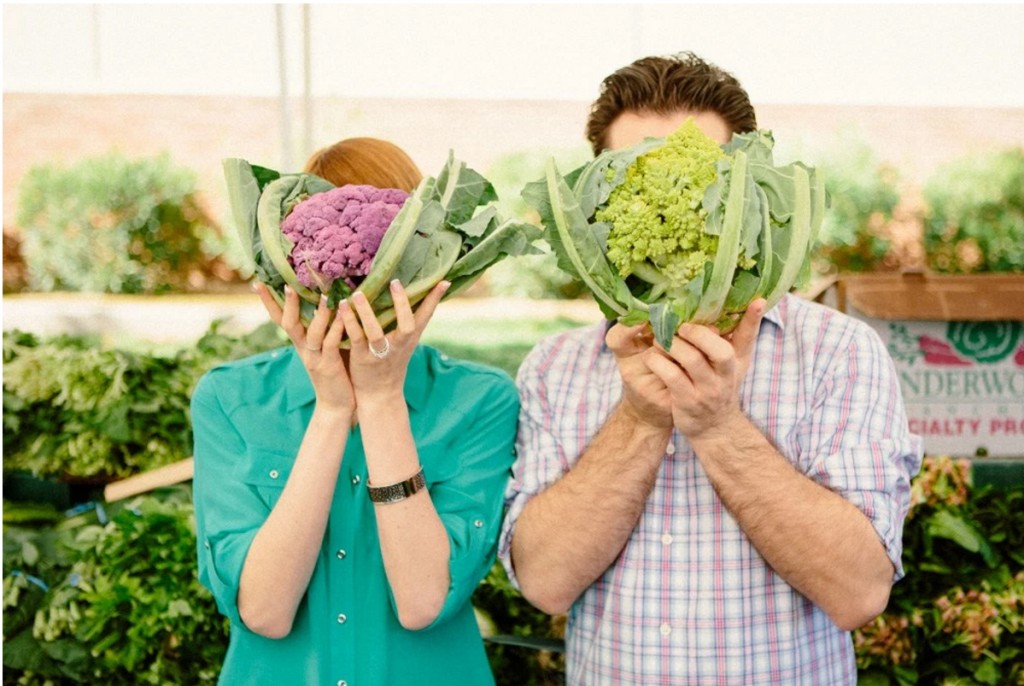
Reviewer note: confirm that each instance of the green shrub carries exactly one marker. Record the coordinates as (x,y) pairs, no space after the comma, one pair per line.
(863,194)
(958,615)
(975,216)
(110,224)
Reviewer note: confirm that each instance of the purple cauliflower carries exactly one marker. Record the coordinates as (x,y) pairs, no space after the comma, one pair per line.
(337,233)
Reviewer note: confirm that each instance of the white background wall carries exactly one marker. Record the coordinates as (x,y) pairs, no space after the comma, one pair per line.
(856,54)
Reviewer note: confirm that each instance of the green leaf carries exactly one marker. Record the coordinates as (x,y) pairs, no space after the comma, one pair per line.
(424,263)
(595,181)
(945,524)
(795,241)
(664,322)
(278,197)
(988,673)
(510,239)
(418,214)
(460,190)
(243,197)
(728,243)
(571,238)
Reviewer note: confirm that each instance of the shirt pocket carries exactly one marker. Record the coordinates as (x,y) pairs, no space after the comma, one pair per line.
(440,463)
(266,472)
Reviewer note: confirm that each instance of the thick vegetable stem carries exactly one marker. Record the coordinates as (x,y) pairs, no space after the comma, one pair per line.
(728,244)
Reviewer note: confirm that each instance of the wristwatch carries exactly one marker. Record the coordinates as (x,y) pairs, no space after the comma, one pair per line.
(399,491)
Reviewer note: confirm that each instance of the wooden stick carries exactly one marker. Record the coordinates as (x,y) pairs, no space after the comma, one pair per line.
(167,475)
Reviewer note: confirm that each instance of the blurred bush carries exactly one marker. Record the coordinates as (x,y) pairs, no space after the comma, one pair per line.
(530,276)
(863,194)
(975,216)
(15,278)
(110,224)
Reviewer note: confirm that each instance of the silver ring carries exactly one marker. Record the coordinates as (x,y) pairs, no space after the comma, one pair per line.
(381,354)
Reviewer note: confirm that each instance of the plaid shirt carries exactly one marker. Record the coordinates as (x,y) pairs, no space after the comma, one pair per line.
(689,600)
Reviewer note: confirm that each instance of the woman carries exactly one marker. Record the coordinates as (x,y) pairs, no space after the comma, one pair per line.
(348,501)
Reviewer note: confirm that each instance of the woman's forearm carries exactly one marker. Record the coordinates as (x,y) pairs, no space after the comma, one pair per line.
(413,540)
(284,552)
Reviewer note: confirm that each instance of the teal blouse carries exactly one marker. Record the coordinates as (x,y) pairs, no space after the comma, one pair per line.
(248,418)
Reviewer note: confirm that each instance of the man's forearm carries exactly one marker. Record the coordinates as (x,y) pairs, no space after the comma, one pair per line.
(820,543)
(567,536)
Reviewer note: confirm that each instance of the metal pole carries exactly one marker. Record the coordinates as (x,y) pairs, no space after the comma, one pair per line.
(286,128)
(307,84)
(97,70)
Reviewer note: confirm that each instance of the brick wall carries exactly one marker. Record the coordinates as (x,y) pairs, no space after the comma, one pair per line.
(200,130)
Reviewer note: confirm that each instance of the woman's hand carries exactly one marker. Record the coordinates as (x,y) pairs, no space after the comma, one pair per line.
(317,347)
(378,362)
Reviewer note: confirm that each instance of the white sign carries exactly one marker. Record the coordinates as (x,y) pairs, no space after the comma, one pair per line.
(963,383)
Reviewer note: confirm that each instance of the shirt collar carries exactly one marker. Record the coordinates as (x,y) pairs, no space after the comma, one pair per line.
(299,389)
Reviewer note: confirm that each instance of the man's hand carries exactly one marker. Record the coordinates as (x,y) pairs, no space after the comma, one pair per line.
(702,373)
(645,397)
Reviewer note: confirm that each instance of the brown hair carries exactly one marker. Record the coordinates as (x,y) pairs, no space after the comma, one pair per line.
(369,161)
(667,84)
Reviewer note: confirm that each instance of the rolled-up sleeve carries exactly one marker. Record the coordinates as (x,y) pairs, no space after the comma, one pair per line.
(859,441)
(228,511)
(470,502)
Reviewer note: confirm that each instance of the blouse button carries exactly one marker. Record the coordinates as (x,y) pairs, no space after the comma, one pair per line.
(342,682)
(342,619)
(355,479)
(274,473)
(670,448)
(666,539)
(478,523)
(341,553)
(666,629)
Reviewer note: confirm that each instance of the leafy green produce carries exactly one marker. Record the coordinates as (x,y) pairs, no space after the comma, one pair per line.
(110,615)
(73,408)
(679,229)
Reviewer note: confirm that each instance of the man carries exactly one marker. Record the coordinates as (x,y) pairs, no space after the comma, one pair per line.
(724,512)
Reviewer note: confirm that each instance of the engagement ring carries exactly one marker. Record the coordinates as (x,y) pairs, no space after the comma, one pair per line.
(381,354)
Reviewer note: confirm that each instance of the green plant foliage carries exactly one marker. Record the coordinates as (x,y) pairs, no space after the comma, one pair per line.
(975,219)
(957,616)
(511,615)
(122,605)
(73,408)
(111,224)
(530,276)
(863,193)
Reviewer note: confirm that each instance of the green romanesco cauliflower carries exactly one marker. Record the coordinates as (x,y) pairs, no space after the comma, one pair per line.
(656,214)
(679,229)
